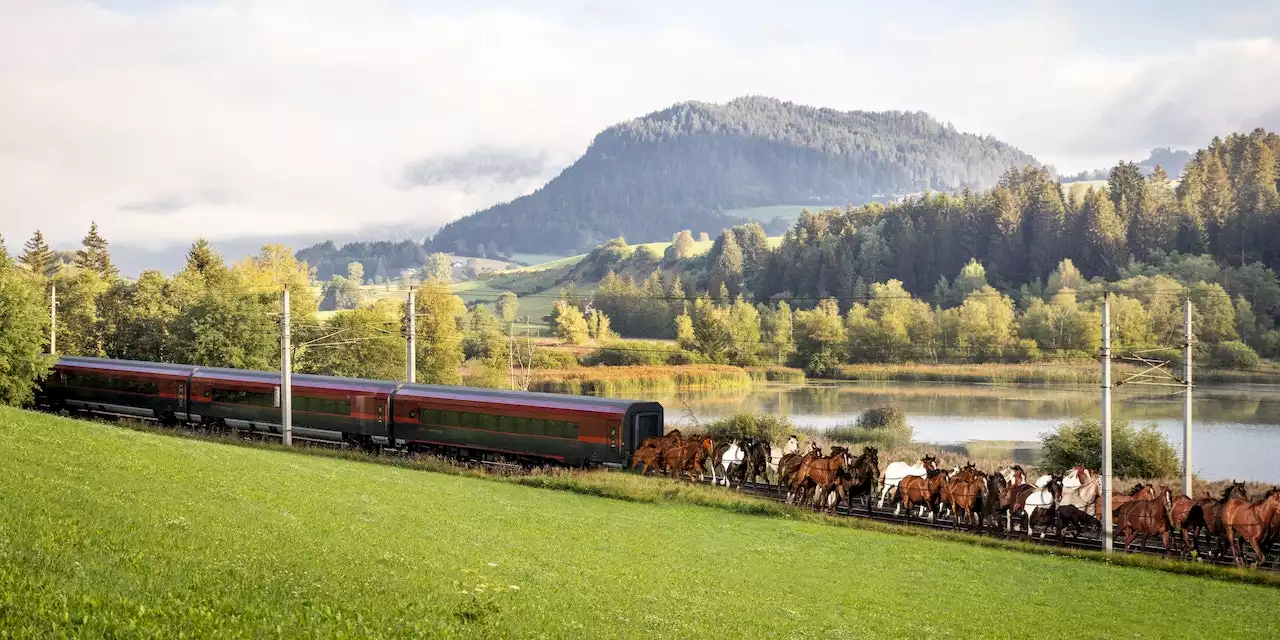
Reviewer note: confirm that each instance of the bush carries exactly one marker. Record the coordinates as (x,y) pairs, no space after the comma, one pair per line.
(1233,354)
(748,425)
(631,354)
(1135,453)
(554,359)
(883,426)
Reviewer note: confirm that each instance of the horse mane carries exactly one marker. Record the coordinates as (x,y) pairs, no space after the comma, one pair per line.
(1136,488)
(933,472)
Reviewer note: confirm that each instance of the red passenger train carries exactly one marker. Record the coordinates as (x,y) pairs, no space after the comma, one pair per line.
(464,422)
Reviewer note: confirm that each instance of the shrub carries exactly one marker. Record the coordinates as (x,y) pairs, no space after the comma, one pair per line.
(748,425)
(1233,354)
(883,426)
(638,354)
(1135,453)
(554,359)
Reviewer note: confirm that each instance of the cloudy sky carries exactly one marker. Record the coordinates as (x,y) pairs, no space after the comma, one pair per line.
(167,120)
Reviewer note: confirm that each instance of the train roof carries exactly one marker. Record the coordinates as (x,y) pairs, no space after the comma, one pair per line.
(566,402)
(359,385)
(127,366)
(592,404)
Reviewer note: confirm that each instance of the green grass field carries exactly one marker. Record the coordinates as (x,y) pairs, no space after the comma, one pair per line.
(111,532)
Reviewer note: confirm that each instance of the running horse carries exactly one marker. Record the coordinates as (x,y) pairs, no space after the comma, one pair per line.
(860,479)
(995,502)
(798,489)
(655,459)
(1210,511)
(823,475)
(1146,517)
(896,471)
(965,493)
(687,457)
(757,454)
(790,463)
(1251,521)
(923,491)
(1028,500)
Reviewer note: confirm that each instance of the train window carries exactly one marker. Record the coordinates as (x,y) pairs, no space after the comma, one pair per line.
(507,424)
(487,421)
(430,416)
(412,414)
(240,396)
(333,406)
(98,381)
(469,420)
(449,418)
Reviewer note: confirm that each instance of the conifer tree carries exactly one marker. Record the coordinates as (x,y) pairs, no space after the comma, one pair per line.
(39,257)
(93,254)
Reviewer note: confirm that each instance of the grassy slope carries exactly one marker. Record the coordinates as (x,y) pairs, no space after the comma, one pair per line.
(108,531)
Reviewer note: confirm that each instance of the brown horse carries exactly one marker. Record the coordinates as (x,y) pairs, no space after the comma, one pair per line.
(1118,499)
(789,465)
(1251,521)
(820,475)
(965,493)
(647,458)
(923,491)
(1145,517)
(688,457)
(1210,511)
(860,479)
(808,460)
(661,443)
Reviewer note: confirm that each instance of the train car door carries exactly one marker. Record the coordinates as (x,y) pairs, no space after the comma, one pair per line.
(645,425)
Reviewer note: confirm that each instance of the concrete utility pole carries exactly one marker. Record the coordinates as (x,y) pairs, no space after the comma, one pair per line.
(1186,409)
(411,326)
(286,375)
(53,319)
(1106,424)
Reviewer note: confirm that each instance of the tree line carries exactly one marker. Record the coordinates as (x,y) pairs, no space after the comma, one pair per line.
(226,315)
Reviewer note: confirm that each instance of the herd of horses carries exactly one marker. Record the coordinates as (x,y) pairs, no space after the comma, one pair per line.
(974,499)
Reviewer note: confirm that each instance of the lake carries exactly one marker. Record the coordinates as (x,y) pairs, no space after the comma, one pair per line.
(1236,431)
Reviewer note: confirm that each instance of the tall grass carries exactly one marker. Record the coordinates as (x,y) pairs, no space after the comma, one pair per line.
(616,381)
(1057,373)
(777,373)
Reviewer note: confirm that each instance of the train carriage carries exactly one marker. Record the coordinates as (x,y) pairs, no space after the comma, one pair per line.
(471,423)
(324,408)
(571,430)
(119,387)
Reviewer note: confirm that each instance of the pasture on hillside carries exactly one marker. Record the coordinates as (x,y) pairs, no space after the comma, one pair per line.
(107,531)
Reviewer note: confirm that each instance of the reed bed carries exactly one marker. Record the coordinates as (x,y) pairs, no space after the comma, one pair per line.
(617,381)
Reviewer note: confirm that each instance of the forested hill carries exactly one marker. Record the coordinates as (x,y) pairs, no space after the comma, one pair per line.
(682,167)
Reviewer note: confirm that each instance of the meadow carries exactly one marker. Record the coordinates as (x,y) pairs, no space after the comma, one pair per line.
(111,532)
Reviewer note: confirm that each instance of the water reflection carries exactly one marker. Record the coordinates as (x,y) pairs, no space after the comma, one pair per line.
(1237,428)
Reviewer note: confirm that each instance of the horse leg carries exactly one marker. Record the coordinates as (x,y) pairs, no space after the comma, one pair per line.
(1231,539)
(1164,537)
(1257,548)
(1128,538)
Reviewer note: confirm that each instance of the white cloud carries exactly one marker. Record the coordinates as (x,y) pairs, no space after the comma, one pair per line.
(236,118)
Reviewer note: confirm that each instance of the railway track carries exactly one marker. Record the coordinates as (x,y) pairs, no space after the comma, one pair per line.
(1085,542)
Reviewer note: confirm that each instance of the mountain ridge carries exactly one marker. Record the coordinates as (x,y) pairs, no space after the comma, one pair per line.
(681,167)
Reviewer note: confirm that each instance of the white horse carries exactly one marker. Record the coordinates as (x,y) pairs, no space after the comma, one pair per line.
(896,471)
(792,446)
(1038,499)
(733,455)
(1084,495)
(1071,480)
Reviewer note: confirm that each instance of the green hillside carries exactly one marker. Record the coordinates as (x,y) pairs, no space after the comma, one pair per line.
(109,532)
